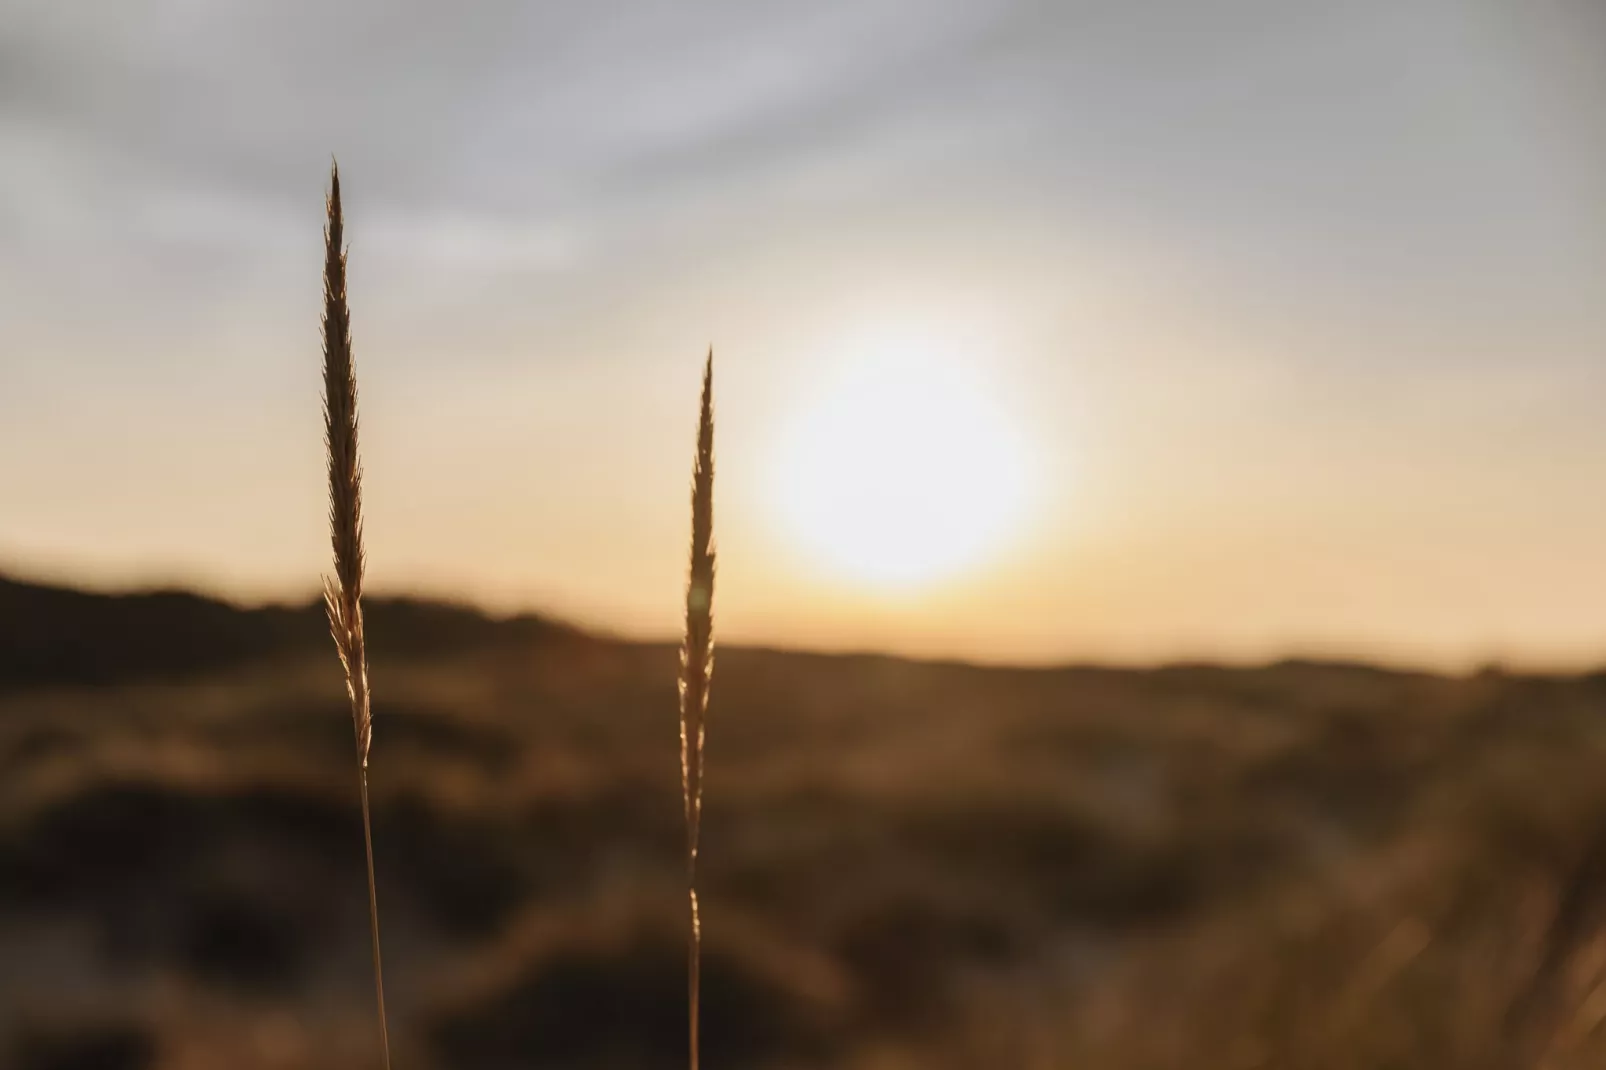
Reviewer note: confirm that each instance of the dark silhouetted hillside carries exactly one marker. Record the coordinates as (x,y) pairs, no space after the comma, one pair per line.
(56,635)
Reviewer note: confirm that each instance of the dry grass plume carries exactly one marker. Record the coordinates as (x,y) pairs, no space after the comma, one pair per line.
(696,670)
(343,592)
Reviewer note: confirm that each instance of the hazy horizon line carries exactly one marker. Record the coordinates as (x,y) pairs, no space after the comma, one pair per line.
(1335,655)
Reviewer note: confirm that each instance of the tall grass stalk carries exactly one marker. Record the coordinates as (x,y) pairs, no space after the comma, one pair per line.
(343,592)
(696,671)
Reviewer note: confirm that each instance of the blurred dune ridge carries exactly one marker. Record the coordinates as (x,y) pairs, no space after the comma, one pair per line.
(911,864)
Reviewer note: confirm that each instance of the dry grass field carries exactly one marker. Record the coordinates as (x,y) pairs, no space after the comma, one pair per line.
(903,864)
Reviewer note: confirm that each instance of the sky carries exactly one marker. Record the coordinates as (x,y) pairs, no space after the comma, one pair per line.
(1295,310)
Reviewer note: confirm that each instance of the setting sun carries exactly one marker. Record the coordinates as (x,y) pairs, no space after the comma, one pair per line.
(903,470)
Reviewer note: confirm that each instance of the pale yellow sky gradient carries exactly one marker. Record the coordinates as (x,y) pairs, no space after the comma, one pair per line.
(1301,311)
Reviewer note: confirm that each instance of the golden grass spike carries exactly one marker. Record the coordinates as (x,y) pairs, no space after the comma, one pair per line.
(696,671)
(343,592)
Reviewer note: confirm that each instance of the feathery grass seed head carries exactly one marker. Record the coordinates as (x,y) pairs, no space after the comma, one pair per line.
(696,671)
(343,592)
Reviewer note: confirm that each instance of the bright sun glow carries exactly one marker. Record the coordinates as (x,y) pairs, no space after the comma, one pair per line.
(904,469)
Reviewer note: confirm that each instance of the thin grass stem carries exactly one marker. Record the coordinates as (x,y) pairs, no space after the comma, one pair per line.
(343,591)
(696,672)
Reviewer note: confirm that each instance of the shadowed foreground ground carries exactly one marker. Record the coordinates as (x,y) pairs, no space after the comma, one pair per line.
(907,865)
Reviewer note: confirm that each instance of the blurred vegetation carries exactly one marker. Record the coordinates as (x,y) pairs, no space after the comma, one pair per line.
(905,865)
